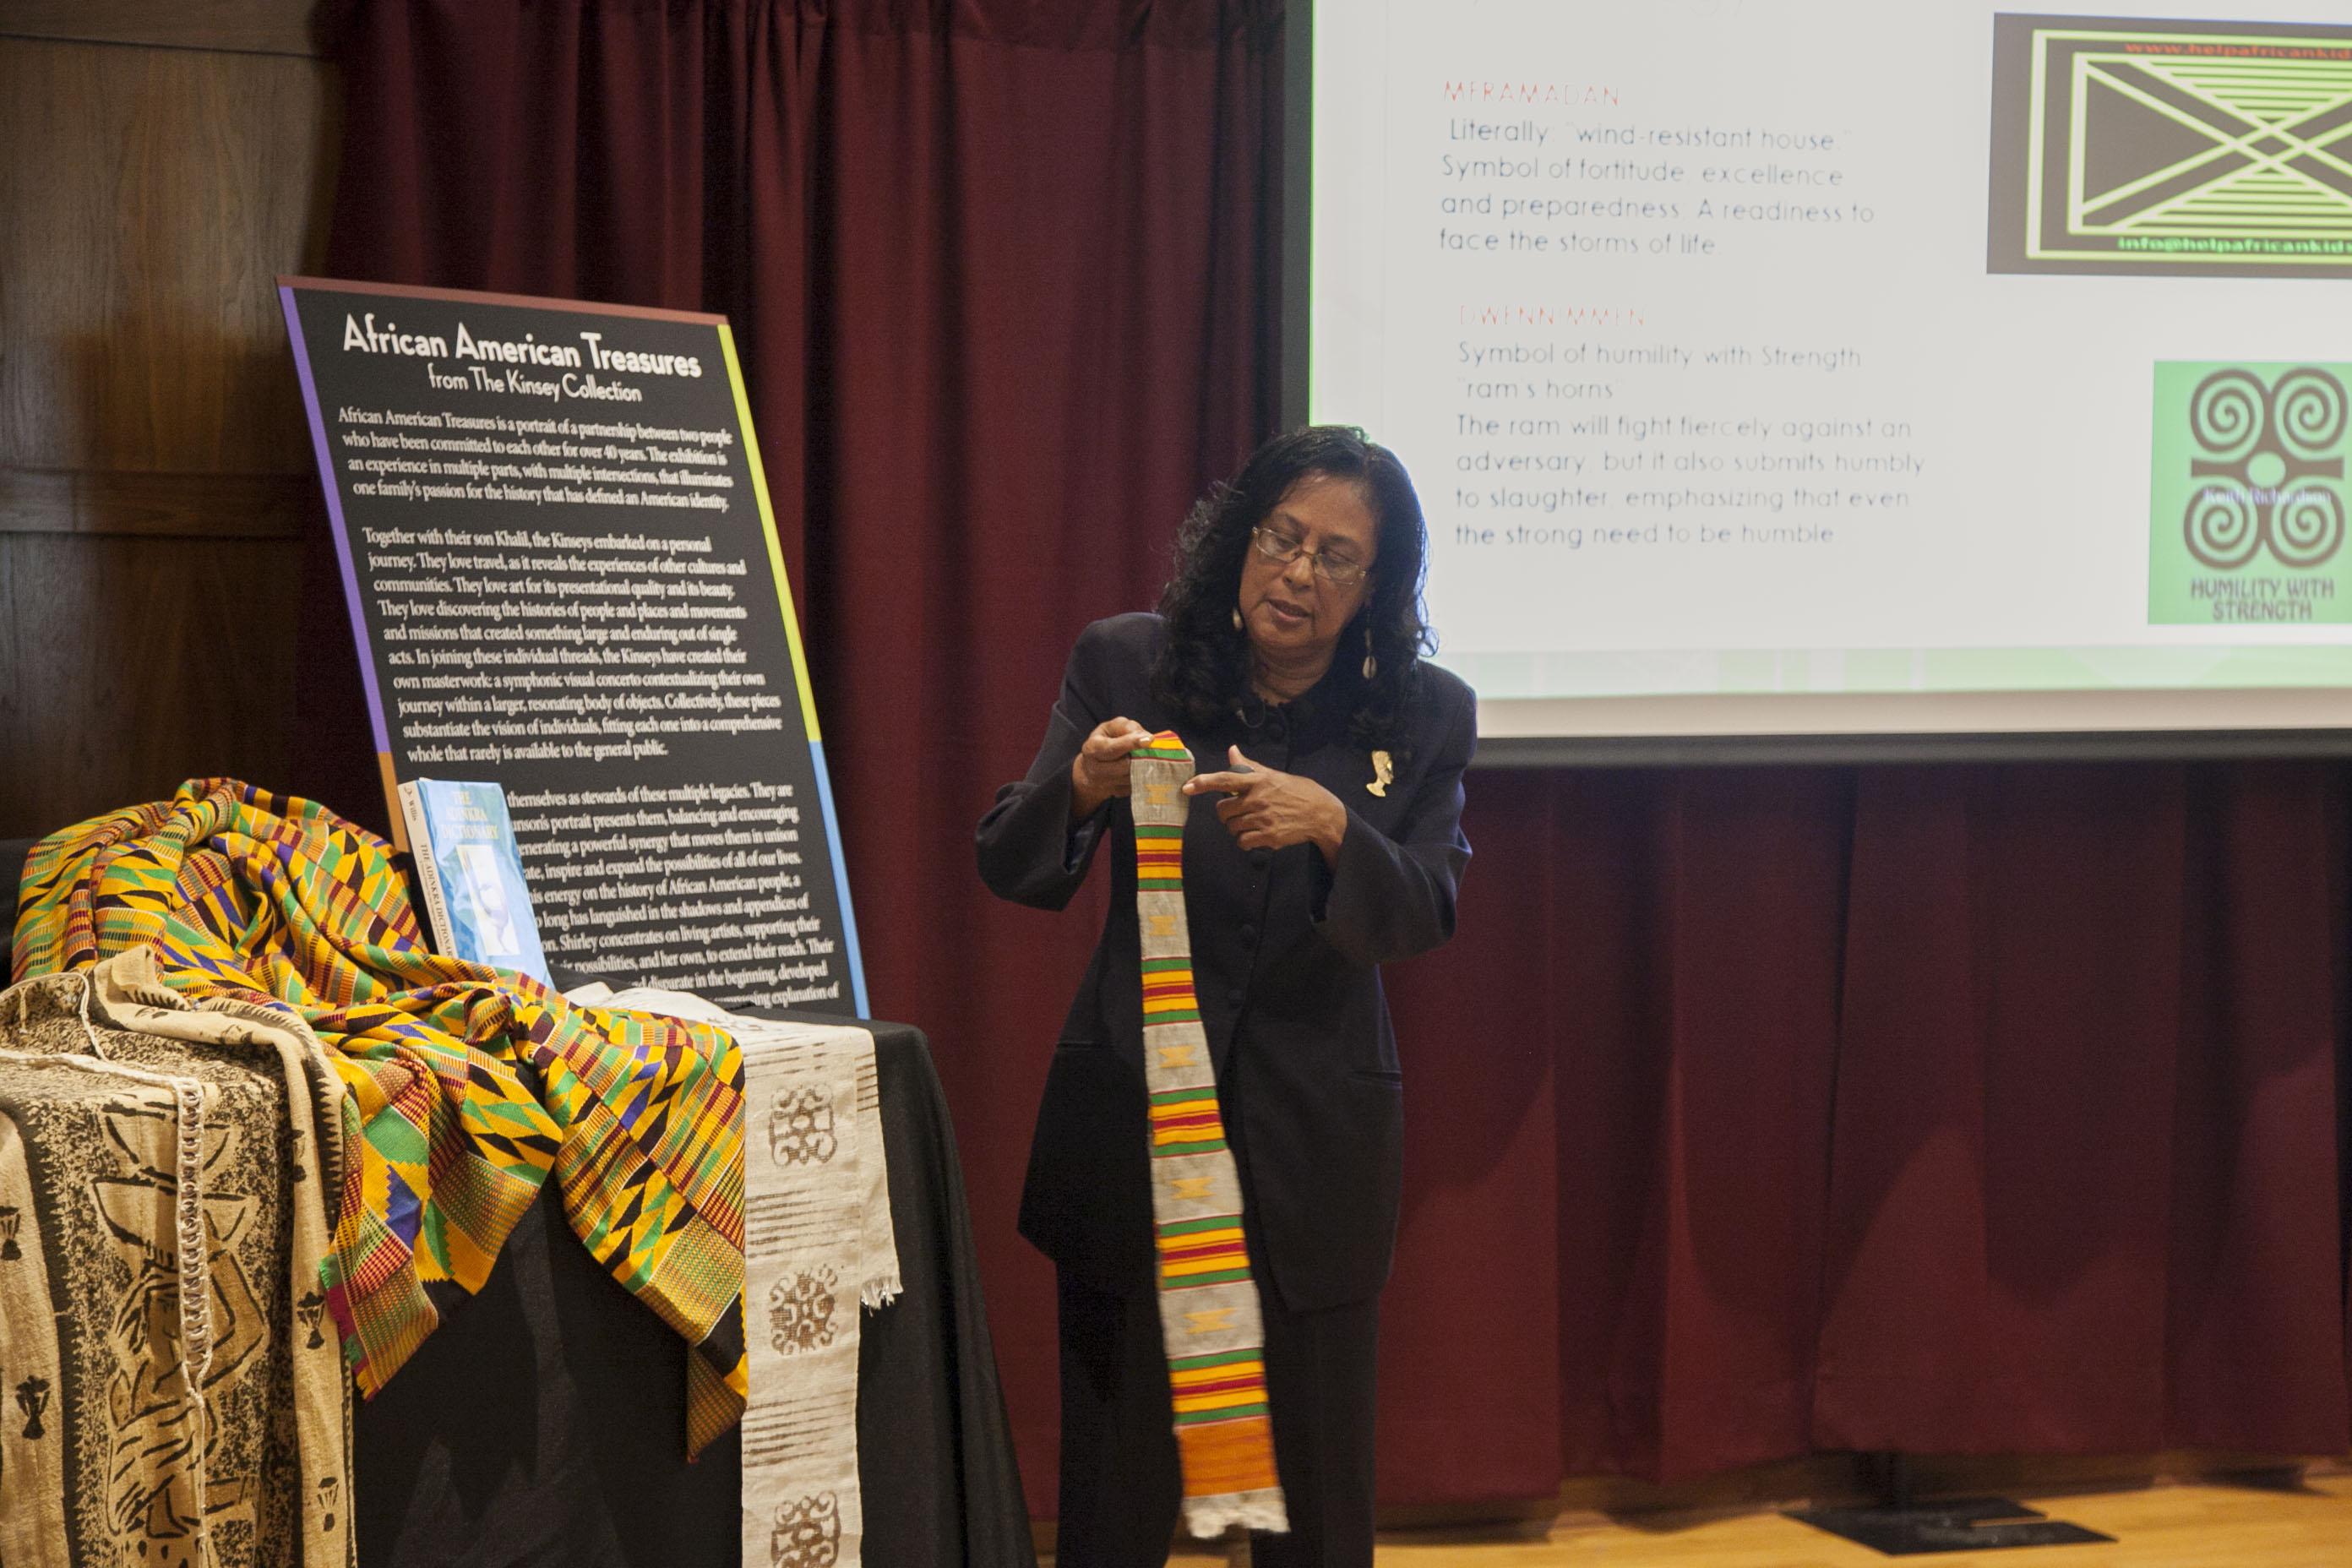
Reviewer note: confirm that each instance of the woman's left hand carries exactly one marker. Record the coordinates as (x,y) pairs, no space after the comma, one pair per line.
(1263,809)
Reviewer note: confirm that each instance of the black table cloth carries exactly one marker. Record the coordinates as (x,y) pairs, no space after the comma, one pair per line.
(545,1421)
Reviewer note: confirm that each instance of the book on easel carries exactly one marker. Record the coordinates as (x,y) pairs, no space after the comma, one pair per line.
(475,899)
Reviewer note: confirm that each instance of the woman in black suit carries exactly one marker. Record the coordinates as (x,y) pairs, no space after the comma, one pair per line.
(1286,654)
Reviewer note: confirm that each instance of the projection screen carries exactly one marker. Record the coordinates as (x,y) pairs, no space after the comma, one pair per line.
(1841,367)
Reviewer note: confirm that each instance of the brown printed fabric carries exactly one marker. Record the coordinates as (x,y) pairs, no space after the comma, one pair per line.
(172,1392)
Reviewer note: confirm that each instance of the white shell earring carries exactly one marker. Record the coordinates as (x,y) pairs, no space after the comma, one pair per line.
(1371,665)
(1237,617)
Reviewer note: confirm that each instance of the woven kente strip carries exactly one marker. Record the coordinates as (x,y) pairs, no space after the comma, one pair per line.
(276,900)
(1209,1321)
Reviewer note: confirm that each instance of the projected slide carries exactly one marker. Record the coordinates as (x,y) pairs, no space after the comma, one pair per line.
(1833,365)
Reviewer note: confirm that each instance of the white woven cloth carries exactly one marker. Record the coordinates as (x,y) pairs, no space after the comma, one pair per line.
(817,1246)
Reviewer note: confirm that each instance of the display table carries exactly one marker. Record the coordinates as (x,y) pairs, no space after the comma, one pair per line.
(544,1422)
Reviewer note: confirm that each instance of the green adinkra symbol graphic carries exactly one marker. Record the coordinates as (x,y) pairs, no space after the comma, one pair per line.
(2246,502)
(2262,457)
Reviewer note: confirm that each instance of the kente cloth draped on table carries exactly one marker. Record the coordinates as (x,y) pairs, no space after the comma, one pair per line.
(1209,1321)
(164,1176)
(276,900)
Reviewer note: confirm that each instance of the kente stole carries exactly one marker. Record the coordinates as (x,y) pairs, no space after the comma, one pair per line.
(1209,1322)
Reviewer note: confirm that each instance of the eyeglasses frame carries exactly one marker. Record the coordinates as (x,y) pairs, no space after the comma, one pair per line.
(1319,561)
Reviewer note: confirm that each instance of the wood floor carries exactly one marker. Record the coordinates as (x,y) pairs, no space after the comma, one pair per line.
(2205,1525)
(2202,1525)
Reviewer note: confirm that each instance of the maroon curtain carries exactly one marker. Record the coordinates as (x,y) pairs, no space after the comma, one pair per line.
(1754,1112)
(1953,1110)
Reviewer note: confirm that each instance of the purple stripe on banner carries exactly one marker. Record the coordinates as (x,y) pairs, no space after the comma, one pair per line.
(342,534)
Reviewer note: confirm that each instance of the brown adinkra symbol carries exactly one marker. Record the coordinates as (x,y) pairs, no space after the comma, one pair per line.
(807,1533)
(799,1312)
(800,1127)
(2267,460)
(32,1398)
(9,1220)
(312,1309)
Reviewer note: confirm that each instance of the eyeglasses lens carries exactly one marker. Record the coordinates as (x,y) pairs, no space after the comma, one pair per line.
(1281,547)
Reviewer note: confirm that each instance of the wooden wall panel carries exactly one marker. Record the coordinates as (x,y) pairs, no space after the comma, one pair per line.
(144,661)
(187,505)
(155,478)
(265,26)
(150,197)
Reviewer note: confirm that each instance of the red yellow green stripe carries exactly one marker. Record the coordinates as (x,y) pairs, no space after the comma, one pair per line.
(1190,1258)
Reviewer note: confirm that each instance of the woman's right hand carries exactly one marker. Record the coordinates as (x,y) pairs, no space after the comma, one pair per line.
(1099,770)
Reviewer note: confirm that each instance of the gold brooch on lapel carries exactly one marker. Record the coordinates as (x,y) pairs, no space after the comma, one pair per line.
(1383,773)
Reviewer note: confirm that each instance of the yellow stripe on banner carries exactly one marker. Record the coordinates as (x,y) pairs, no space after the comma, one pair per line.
(768,521)
(392,802)
(1191,1404)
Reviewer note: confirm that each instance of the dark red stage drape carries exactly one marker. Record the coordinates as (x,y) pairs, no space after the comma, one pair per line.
(1753,1113)
(1958,1109)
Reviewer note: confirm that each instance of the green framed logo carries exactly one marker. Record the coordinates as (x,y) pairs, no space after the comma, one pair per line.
(2171,148)
(2247,500)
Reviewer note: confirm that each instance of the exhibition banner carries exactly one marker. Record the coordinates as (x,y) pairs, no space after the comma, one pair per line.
(563,571)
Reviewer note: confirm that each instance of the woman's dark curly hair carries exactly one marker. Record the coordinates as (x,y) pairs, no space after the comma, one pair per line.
(1204,675)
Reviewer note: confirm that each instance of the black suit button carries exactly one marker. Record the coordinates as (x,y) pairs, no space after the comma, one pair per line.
(1258,857)
(1234,996)
(1249,936)
(1277,726)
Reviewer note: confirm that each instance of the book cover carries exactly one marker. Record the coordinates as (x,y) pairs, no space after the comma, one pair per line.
(473,892)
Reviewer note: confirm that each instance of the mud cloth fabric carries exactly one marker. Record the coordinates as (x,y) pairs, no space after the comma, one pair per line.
(818,1251)
(1210,1326)
(170,1389)
(465,1087)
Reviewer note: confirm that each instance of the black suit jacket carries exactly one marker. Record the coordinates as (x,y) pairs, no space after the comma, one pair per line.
(1284,956)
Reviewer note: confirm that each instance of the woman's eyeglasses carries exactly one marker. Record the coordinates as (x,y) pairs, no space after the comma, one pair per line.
(1339,571)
